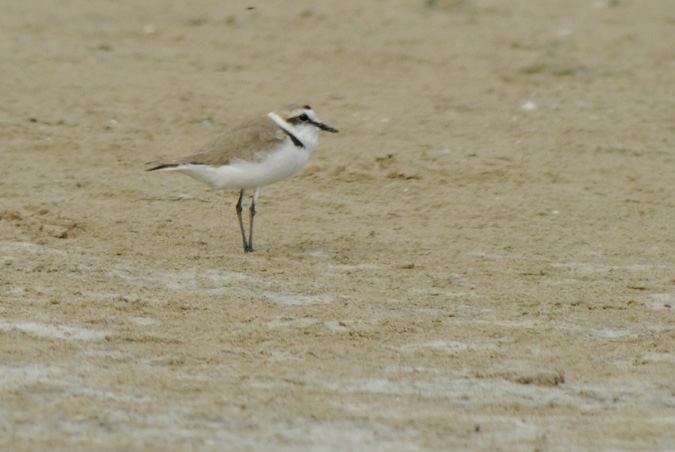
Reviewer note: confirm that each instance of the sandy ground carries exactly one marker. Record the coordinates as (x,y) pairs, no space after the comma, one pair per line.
(483,258)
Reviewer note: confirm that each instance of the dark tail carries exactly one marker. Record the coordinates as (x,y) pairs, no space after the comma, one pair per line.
(158,166)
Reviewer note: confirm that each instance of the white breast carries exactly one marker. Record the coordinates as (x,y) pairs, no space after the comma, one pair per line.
(280,164)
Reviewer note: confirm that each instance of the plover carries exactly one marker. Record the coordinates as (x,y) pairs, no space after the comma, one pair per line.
(253,154)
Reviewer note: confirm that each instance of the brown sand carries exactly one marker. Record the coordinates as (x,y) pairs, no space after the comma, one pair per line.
(483,259)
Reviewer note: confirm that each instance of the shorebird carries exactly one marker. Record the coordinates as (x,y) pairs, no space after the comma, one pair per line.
(252,154)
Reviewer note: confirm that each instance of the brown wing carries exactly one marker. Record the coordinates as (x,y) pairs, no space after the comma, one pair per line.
(241,141)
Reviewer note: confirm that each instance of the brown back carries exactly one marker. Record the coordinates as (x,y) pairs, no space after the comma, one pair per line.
(241,141)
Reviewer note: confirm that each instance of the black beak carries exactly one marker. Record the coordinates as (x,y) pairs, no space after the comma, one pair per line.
(323,126)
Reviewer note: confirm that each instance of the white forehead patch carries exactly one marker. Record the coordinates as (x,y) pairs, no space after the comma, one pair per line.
(300,111)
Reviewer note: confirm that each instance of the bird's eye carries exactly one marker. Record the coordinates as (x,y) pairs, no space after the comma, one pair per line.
(304,117)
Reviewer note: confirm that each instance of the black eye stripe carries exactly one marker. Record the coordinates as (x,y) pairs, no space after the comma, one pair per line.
(295,120)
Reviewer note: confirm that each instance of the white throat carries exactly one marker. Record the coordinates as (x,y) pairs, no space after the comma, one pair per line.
(307,134)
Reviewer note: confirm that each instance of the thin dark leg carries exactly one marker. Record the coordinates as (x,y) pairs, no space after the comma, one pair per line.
(241,222)
(250,230)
